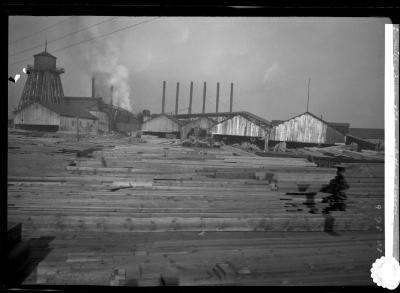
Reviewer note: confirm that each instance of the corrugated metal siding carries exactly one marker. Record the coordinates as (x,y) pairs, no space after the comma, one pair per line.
(203,123)
(36,114)
(306,128)
(238,125)
(303,128)
(161,124)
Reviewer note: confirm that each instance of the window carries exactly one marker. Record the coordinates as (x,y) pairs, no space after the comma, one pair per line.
(80,123)
(73,123)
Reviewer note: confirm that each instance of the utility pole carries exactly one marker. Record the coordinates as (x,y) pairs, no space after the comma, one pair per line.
(308,95)
(77,128)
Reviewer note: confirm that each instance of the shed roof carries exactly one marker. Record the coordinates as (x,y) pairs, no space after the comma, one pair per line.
(69,110)
(84,102)
(367,133)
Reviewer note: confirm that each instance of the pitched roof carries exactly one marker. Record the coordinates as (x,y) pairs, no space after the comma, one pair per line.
(44,53)
(69,110)
(250,116)
(84,102)
(367,133)
(169,117)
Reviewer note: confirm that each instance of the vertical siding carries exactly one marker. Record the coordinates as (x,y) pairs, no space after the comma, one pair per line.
(68,124)
(102,123)
(161,124)
(238,125)
(304,128)
(38,115)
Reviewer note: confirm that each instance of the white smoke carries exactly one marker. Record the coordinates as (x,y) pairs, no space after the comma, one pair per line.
(103,56)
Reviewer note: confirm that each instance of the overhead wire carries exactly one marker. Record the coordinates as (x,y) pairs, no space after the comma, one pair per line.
(94,38)
(64,36)
(38,32)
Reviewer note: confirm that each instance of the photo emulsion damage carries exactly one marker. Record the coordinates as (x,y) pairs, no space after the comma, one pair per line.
(189,151)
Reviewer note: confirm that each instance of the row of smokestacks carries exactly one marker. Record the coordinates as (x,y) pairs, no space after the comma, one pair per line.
(191,98)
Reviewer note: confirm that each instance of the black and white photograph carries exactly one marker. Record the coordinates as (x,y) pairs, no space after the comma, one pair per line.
(150,151)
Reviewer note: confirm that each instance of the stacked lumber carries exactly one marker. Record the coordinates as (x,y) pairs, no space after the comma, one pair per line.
(155,214)
(341,153)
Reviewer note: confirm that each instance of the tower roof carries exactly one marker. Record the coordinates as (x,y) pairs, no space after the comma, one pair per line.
(44,53)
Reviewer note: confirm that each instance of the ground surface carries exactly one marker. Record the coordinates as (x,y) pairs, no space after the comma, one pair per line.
(152,213)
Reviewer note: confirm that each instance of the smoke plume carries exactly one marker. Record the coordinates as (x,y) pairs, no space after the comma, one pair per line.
(103,59)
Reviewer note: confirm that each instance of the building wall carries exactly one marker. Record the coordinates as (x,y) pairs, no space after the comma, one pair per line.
(68,124)
(202,122)
(160,124)
(306,128)
(36,114)
(238,125)
(102,123)
(127,127)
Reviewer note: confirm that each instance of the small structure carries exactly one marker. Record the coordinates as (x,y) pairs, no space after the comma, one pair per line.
(373,135)
(161,125)
(306,128)
(201,122)
(55,117)
(366,138)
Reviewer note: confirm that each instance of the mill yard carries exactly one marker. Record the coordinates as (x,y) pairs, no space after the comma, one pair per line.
(127,211)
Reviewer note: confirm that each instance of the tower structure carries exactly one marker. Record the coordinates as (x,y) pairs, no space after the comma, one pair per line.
(43,83)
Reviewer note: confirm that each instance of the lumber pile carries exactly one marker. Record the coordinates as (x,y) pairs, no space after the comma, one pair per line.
(152,214)
(340,153)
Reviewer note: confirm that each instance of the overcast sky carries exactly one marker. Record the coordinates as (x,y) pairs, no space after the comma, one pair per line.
(269,60)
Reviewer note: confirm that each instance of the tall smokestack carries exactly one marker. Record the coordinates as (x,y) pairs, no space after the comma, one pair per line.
(177,98)
(231,105)
(190,98)
(217,102)
(93,87)
(204,97)
(163,98)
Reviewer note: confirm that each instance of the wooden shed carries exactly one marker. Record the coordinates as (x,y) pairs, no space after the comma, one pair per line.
(55,117)
(161,125)
(201,122)
(241,125)
(306,128)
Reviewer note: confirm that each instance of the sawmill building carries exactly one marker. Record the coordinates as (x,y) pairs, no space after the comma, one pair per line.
(306,128)
(56,117)
(43,105)
(162,125)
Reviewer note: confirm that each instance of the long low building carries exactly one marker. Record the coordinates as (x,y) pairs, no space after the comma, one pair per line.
(56,117)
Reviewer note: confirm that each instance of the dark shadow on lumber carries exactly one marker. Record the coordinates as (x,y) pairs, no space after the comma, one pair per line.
(39,249)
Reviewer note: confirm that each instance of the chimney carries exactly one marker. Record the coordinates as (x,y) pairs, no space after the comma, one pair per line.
(112,94)
(177,98)
(231,105)
(190,98)
(163,98)
(204,97)
(93,87)
(217,102)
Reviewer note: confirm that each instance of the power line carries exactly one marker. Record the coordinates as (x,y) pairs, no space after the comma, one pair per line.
(31,35)
(89,40)
(64,36)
